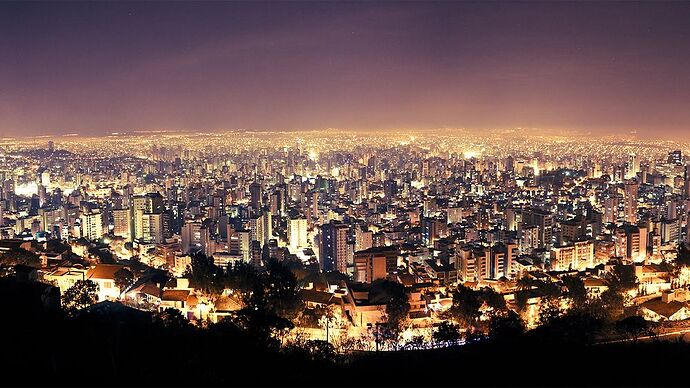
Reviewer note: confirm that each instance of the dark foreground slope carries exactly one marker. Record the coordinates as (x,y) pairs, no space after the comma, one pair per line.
(109,352)
(112,345)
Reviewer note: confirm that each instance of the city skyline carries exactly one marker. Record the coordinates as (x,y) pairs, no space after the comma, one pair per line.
(591,68)
(374,193)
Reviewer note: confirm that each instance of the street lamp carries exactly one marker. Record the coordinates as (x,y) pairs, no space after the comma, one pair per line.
(201,305)
(376,335)
(327,318)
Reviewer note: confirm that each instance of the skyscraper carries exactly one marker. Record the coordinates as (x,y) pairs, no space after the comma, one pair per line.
(686,190)
(631,188)
(335,251)
(543,220)
(297,233)
(610,209)
(255,196)
(92,225)
(633,166)
(122,223)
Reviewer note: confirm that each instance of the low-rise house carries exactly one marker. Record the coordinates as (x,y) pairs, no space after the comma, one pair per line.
(51,258)
(595,286)
(15,244)
(145,293)
(65,277)
(438,302)
(657,310)
(652,278)
(316,298)
(678,295)
(175,298)
(418,302)
(223,307)
(104,276)
(359,309)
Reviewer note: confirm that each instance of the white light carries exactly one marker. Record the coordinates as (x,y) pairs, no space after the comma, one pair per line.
(26,189)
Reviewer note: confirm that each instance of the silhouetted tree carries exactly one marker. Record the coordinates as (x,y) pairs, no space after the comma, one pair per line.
(19,256)
(83,293)
(508,327)
(393,295)
(123,279)
(609,306)
(261,324)
(466,304)
(319,350)
(205,275)
(683,257)
(446,333)
(633,327)
(280,291)
(416,342)
(574,327)
(549,310)
(621,278)
(172,319)
(494,300)
(576,290)
(243,279)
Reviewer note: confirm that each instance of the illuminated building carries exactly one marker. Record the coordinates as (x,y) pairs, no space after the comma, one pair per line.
(375,263)
(631,188)
(297,233)
(92,225)
(336,252)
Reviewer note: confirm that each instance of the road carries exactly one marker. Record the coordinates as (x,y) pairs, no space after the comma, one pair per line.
(670,336)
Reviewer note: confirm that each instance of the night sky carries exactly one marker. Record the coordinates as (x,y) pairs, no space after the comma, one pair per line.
(96,68)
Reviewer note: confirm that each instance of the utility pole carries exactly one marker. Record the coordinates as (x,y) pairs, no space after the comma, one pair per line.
(329,316)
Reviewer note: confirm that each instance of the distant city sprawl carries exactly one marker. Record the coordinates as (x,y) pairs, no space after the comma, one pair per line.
(341,242)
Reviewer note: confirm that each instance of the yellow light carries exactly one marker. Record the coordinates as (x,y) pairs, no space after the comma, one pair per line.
(470,154)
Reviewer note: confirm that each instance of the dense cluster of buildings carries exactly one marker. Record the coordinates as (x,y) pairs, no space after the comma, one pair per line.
(425,210)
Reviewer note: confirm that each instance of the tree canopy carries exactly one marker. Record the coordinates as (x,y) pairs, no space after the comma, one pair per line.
(396,301)
(446,332)
(19,256)
(123,279)
(82,294)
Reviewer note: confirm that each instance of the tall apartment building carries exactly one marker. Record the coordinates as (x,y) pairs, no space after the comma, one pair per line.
(122,223)
(433,229)
(297,233)
(239,242)
(255,195)
(502,257)
(92,225)
(476,262)
(151,203)
(611,209)
(578,256)
(631,242)
(152,227)
(335,252)
(670,231)
(191,236)
(631,189)
(364,239)
(543,220)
